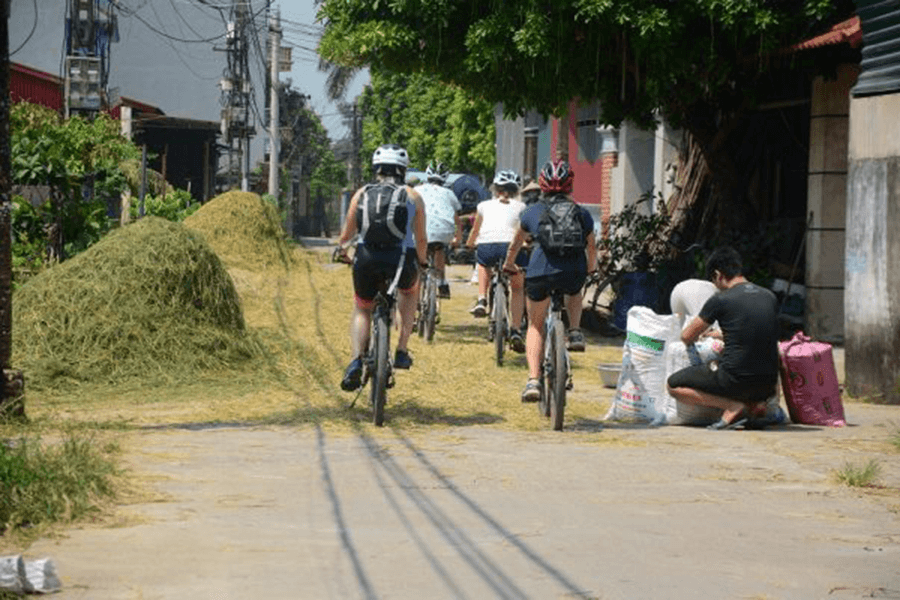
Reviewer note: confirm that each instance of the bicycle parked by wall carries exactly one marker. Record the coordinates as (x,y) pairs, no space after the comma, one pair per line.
(556,373)
(377,366)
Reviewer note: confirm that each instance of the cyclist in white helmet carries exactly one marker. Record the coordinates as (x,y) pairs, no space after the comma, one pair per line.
(387,232)
(496,223)
(442,220)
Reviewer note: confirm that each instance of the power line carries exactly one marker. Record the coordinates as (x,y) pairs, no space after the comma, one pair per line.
(31,33)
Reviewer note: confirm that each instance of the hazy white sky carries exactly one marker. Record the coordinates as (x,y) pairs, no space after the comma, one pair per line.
(166,53)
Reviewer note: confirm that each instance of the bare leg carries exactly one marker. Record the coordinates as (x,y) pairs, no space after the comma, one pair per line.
(407,302)
(440,263)
(573,309)
(360,322)
(731,409)
(534,338)
(517,299)
(484,280)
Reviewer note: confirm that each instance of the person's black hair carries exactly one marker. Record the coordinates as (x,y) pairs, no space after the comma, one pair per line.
(726,260)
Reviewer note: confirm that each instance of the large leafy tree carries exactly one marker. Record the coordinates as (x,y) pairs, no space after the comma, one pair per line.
(433,121)
(307,149)
(697,63)
(70,157)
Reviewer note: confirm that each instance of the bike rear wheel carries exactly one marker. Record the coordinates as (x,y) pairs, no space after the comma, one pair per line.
(381,370)
(501,323)
(430,307)
(558,374)
(421,308)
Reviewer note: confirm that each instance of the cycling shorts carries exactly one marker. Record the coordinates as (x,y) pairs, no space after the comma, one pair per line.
(488,254)
(373,266)
(718,383)
(538,289)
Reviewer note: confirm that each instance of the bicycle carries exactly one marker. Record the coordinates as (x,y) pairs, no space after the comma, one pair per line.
(498,311)
(377,365)
(556,373)
(429,308)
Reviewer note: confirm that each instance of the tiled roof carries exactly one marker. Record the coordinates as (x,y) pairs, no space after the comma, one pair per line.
(848,31)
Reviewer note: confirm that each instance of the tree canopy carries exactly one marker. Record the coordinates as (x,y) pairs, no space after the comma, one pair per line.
(431,120)
(633,56)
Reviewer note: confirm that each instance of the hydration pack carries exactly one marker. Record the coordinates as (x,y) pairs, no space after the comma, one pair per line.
(560,230)
(382,214)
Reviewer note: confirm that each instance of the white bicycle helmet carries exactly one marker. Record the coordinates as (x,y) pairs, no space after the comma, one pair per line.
(436,172)
(390,154)
(508,177)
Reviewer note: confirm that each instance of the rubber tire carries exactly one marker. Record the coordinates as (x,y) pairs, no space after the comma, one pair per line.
(421,309)
(546,370)
(501,324)
(431,301)
(381,345)
(556,380)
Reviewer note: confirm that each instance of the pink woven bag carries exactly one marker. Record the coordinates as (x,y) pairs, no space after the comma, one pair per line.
(809,382)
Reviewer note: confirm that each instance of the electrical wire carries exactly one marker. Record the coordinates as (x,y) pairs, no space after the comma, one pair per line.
(31,33)
(133,13)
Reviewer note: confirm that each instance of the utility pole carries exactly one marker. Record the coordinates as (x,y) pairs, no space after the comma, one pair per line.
(90,28)
(274,123)
(236,88)
(12,383)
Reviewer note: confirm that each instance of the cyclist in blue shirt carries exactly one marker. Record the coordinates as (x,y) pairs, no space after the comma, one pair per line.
(548,271)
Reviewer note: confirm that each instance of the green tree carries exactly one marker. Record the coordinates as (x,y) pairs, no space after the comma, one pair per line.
(430,119)
(697,63)
(79,162)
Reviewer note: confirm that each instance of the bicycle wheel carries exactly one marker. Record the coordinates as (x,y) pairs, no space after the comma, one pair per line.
(430,308)
(381,370)
(558,374)
(421,309)
(501,325)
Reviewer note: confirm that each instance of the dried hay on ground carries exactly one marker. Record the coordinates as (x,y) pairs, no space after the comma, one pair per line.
(243,229)
(151,300)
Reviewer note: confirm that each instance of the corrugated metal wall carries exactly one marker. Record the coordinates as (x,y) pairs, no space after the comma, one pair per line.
(33,86)
(881,47)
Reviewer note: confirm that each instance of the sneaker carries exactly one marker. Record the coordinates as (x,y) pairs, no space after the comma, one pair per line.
(444,290)
(353,375)
(480,308)
(532,391)
(516,342)
(402,359)
(575,341)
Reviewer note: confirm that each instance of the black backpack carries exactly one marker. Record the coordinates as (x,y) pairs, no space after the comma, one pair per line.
(382,214)
(560,231)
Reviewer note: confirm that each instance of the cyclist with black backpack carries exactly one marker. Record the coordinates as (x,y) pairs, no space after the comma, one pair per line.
(563,253)
(389,219)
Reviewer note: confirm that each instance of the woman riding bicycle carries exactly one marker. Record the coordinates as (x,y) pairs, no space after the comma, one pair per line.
(496,223)
(551,268)
(389,218)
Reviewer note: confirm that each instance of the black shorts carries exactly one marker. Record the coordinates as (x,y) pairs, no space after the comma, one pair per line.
(570,283)
(718,383)
(373,266)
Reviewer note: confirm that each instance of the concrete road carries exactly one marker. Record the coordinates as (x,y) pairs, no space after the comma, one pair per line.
(622,513)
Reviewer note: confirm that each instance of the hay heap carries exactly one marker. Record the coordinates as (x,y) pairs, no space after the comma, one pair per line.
(243,229)
(150,300)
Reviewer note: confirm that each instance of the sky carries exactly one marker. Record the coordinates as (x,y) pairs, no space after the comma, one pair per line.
(166,54)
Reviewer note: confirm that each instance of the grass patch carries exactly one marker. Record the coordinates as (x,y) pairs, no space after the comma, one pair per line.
(50,483)
(856,476)
(894,436)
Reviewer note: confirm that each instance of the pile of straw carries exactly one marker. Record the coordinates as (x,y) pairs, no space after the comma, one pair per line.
(243,229)
(151,300)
